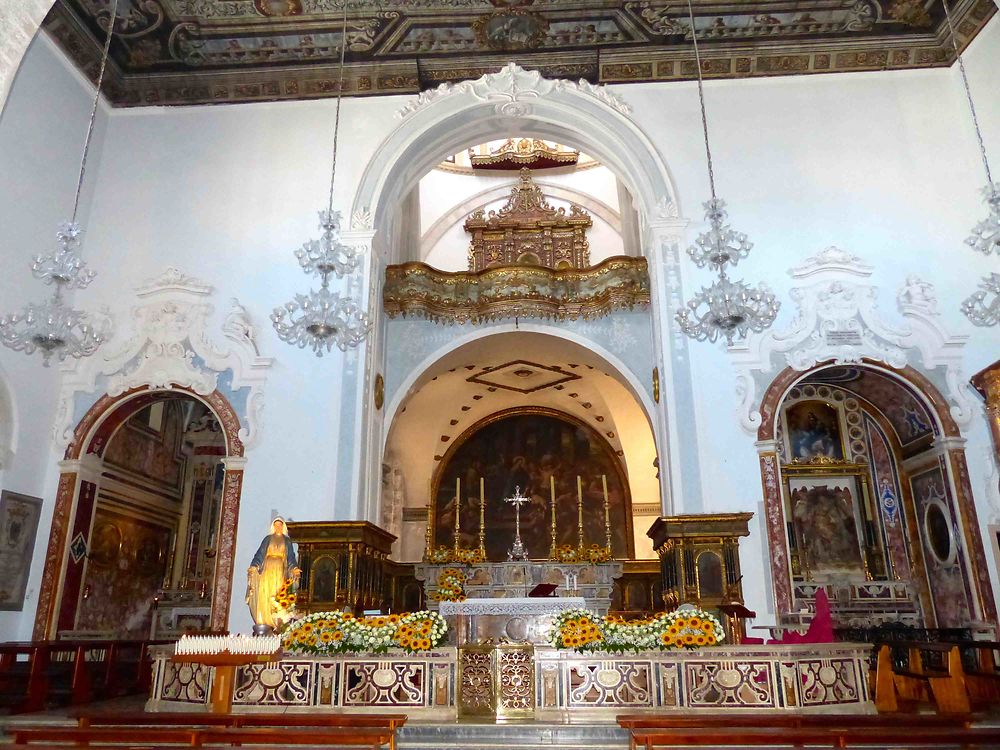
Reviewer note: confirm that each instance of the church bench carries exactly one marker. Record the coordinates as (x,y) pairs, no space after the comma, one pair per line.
(110,735)
(912,672)
(818,737)
(372,737)
(391,722)
(23,681)
(982,678)
(648,721)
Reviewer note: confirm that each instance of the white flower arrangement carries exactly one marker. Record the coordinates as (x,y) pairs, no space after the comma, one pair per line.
(340,632)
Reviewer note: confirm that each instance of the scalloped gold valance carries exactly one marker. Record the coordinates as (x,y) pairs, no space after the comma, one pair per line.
(419,291)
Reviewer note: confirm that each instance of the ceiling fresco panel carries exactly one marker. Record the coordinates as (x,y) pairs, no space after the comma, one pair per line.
(217,51)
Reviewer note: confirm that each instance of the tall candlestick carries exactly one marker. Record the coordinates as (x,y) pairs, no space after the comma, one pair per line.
(429,541)
(482,515)
(579,512)
(458,494)
(607,515)
(552,502)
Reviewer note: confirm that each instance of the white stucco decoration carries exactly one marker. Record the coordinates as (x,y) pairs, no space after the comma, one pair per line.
(512,91)
(8,423)
(838,320)
(171,346)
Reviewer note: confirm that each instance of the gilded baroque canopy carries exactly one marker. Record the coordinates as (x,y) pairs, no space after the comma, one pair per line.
(529,231)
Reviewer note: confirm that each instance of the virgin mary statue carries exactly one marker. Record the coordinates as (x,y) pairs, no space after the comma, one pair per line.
(272,565)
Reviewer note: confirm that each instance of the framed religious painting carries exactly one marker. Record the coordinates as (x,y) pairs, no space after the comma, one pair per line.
(18,524)
(828,514)
(812,428)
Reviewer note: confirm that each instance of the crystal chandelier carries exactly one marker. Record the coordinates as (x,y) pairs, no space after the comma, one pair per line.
(53,327)
(983,306)
(726,308)
(322,318)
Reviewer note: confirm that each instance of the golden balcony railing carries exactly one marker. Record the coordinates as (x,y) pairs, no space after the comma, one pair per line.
(526,291)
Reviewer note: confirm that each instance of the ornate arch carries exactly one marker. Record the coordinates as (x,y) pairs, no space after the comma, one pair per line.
(77,492)
(953,455)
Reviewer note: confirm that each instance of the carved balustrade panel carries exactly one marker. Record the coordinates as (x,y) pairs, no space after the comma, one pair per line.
(419,291)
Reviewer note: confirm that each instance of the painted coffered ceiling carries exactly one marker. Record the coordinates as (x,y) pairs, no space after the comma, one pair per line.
(217,51)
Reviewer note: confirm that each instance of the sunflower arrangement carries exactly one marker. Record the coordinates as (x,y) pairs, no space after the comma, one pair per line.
(326,633)
(284,602)
(593,554)
(582,630)
(463,555)
(451,586)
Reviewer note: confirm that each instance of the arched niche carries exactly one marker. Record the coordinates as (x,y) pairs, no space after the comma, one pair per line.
(899,433)
(8,423)
(80,473)
(435,404)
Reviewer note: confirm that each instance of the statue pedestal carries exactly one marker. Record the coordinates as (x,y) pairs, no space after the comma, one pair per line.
(521,620)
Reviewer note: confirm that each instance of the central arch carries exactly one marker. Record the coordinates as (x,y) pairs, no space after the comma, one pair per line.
(512,102)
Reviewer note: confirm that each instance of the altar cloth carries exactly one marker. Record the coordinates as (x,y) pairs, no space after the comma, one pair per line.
(521,605)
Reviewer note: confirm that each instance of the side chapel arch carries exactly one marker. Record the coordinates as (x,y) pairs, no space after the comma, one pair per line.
(838,324)
(170,351)
(77,494)
(956,474)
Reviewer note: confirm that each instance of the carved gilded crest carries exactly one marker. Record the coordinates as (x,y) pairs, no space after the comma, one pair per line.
(529,231)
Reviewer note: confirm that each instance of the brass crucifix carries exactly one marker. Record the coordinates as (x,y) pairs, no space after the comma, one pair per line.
(517,551)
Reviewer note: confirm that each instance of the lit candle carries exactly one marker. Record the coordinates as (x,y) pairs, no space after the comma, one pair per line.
(607,516)
(458,494)
(579,511)
(482,513)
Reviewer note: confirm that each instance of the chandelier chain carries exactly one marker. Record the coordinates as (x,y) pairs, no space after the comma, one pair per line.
(701,101)
(93,109)
(340,96)
(968,91)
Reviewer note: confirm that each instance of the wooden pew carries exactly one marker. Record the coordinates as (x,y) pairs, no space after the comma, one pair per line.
(652,722)
(932,672)
(390,722)
(371,737)
(836,738)
(982,678)
(23,677)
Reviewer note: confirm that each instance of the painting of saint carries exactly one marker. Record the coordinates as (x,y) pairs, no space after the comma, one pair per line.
(533,452)
(824,517)
(813,429)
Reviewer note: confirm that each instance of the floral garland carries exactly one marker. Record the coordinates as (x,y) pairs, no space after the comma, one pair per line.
(582,630)
(326,633)
(443,555)
(450,586)
(284,602)
(595,553)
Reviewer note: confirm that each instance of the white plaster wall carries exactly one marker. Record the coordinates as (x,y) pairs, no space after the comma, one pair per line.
(881,164)
(41,135)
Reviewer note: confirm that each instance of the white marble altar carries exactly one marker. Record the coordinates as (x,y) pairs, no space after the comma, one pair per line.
(516,619)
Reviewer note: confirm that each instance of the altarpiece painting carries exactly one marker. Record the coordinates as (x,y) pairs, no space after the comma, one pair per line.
(825,514)
(531,449)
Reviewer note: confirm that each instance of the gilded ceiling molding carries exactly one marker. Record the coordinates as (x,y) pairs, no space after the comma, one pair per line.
(838,321)
(417,290)
(171,346)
